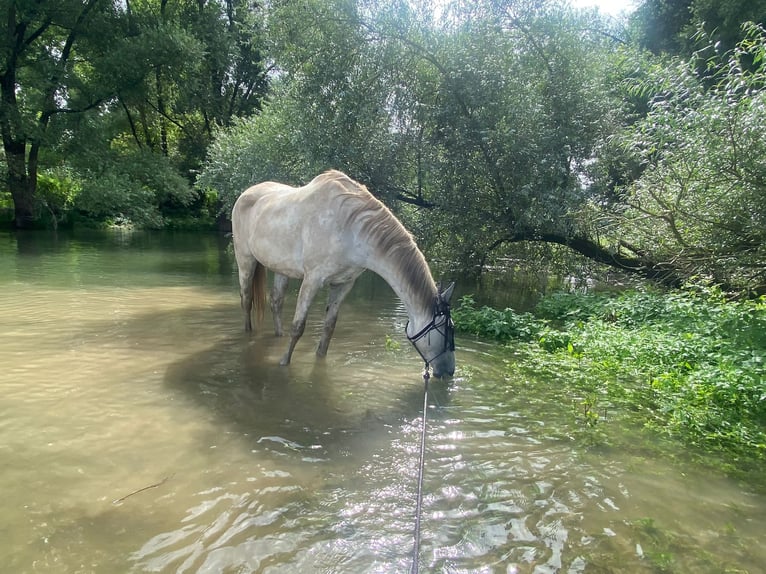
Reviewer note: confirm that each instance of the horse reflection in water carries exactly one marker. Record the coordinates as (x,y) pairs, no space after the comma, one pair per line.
(327,233)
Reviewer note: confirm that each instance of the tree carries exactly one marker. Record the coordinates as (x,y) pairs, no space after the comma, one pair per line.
(41,76)
(87,86)
(700,199)
(201,66)
(663,25)
(497,122)
(672,26)
(487,117)
(333,104)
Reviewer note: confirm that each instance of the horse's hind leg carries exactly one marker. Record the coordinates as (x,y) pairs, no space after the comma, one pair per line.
(278,290)
(337,294)
(246,266)
(308,291)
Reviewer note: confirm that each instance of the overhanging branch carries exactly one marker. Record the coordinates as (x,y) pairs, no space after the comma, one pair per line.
(661,272)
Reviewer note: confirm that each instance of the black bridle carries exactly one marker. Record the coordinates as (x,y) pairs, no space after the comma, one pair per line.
(442,324)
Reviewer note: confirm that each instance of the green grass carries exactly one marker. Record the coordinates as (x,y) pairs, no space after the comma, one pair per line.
(689,364)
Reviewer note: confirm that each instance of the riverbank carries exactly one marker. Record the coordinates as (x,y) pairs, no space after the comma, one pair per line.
(689,365)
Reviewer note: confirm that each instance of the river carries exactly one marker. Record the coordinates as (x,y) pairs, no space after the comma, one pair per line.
(142,430)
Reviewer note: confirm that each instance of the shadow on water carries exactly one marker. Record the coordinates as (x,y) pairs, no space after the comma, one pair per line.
(319,434)
(272,464)
(327,401)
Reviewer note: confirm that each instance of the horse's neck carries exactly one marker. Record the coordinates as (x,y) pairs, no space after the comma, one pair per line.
(408,287)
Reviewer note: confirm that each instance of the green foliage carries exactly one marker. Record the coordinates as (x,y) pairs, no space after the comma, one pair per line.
(659,545)
(502,325)
(699,201)
(130,188)
(670,26)
(144,77)
(690,363)
(489,123)
(566,307)
(661,24)
(57,191)
(261,148)
(392,345)
(487,120)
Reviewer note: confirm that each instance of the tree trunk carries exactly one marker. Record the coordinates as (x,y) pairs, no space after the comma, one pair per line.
(21,36)
(23,206)
(663,273)
(21,185)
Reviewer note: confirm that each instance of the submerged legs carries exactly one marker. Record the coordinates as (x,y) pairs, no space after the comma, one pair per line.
(337,294)
(277,299)
(308,291)
(246,274)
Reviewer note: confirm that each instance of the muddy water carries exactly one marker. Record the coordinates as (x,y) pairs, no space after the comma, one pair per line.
(142,431)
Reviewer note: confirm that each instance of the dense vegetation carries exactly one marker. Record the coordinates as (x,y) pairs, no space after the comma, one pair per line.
(690,364)
(107,107)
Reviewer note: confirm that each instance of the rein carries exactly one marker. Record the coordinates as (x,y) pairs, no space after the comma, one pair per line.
(447,330)
(421,469)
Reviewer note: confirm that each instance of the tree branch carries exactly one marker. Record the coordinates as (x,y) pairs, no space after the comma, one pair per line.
(662,272)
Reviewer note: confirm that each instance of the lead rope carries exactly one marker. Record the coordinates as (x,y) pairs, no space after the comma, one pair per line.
(421,467)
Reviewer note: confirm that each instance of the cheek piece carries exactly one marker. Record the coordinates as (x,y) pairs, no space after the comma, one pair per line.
(442,325)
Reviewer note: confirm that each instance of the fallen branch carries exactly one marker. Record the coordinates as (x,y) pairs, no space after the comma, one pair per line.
(155,485)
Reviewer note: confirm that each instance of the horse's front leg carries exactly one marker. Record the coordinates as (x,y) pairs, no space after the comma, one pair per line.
(337,294)
(278,290)
(308,291)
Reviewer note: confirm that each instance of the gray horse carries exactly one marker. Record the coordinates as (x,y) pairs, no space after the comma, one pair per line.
(327,233)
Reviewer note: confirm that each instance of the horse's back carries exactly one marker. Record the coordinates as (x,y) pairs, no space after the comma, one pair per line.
(254,194)
(293,229)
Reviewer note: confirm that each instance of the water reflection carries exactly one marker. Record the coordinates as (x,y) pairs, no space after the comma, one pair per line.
(127,377)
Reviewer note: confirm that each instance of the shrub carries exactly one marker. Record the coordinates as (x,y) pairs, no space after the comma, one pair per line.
(689,363)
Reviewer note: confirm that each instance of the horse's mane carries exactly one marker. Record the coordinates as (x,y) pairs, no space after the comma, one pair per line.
(384,231)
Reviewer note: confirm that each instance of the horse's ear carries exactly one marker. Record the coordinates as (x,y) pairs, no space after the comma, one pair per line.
(446,295)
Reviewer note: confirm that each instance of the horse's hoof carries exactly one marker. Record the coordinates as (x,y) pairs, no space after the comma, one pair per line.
(284,361)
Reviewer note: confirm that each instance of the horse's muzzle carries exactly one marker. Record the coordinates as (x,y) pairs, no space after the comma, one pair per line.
(444,366)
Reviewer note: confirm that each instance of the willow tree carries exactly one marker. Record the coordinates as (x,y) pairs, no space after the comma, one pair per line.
(699,200)
(486,115)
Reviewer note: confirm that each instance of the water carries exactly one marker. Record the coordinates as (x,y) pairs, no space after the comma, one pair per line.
(141,430)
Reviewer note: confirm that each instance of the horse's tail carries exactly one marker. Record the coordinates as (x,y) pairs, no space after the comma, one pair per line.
(259,291)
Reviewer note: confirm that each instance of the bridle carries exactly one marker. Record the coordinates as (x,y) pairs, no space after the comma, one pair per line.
(441,322)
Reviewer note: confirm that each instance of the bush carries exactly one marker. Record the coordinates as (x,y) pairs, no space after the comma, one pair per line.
(689,363)
(131,188)
(502,325)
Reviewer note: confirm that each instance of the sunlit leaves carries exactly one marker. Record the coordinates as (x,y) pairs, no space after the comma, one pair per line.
(701,200)
(487,112)
(690,364)
(499,118)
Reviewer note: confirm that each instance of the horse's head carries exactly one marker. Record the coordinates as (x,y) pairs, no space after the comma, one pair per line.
(436,340)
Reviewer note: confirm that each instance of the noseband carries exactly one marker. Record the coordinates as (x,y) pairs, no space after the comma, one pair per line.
(445,328)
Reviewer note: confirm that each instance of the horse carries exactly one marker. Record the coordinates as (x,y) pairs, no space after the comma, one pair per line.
(327,233)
